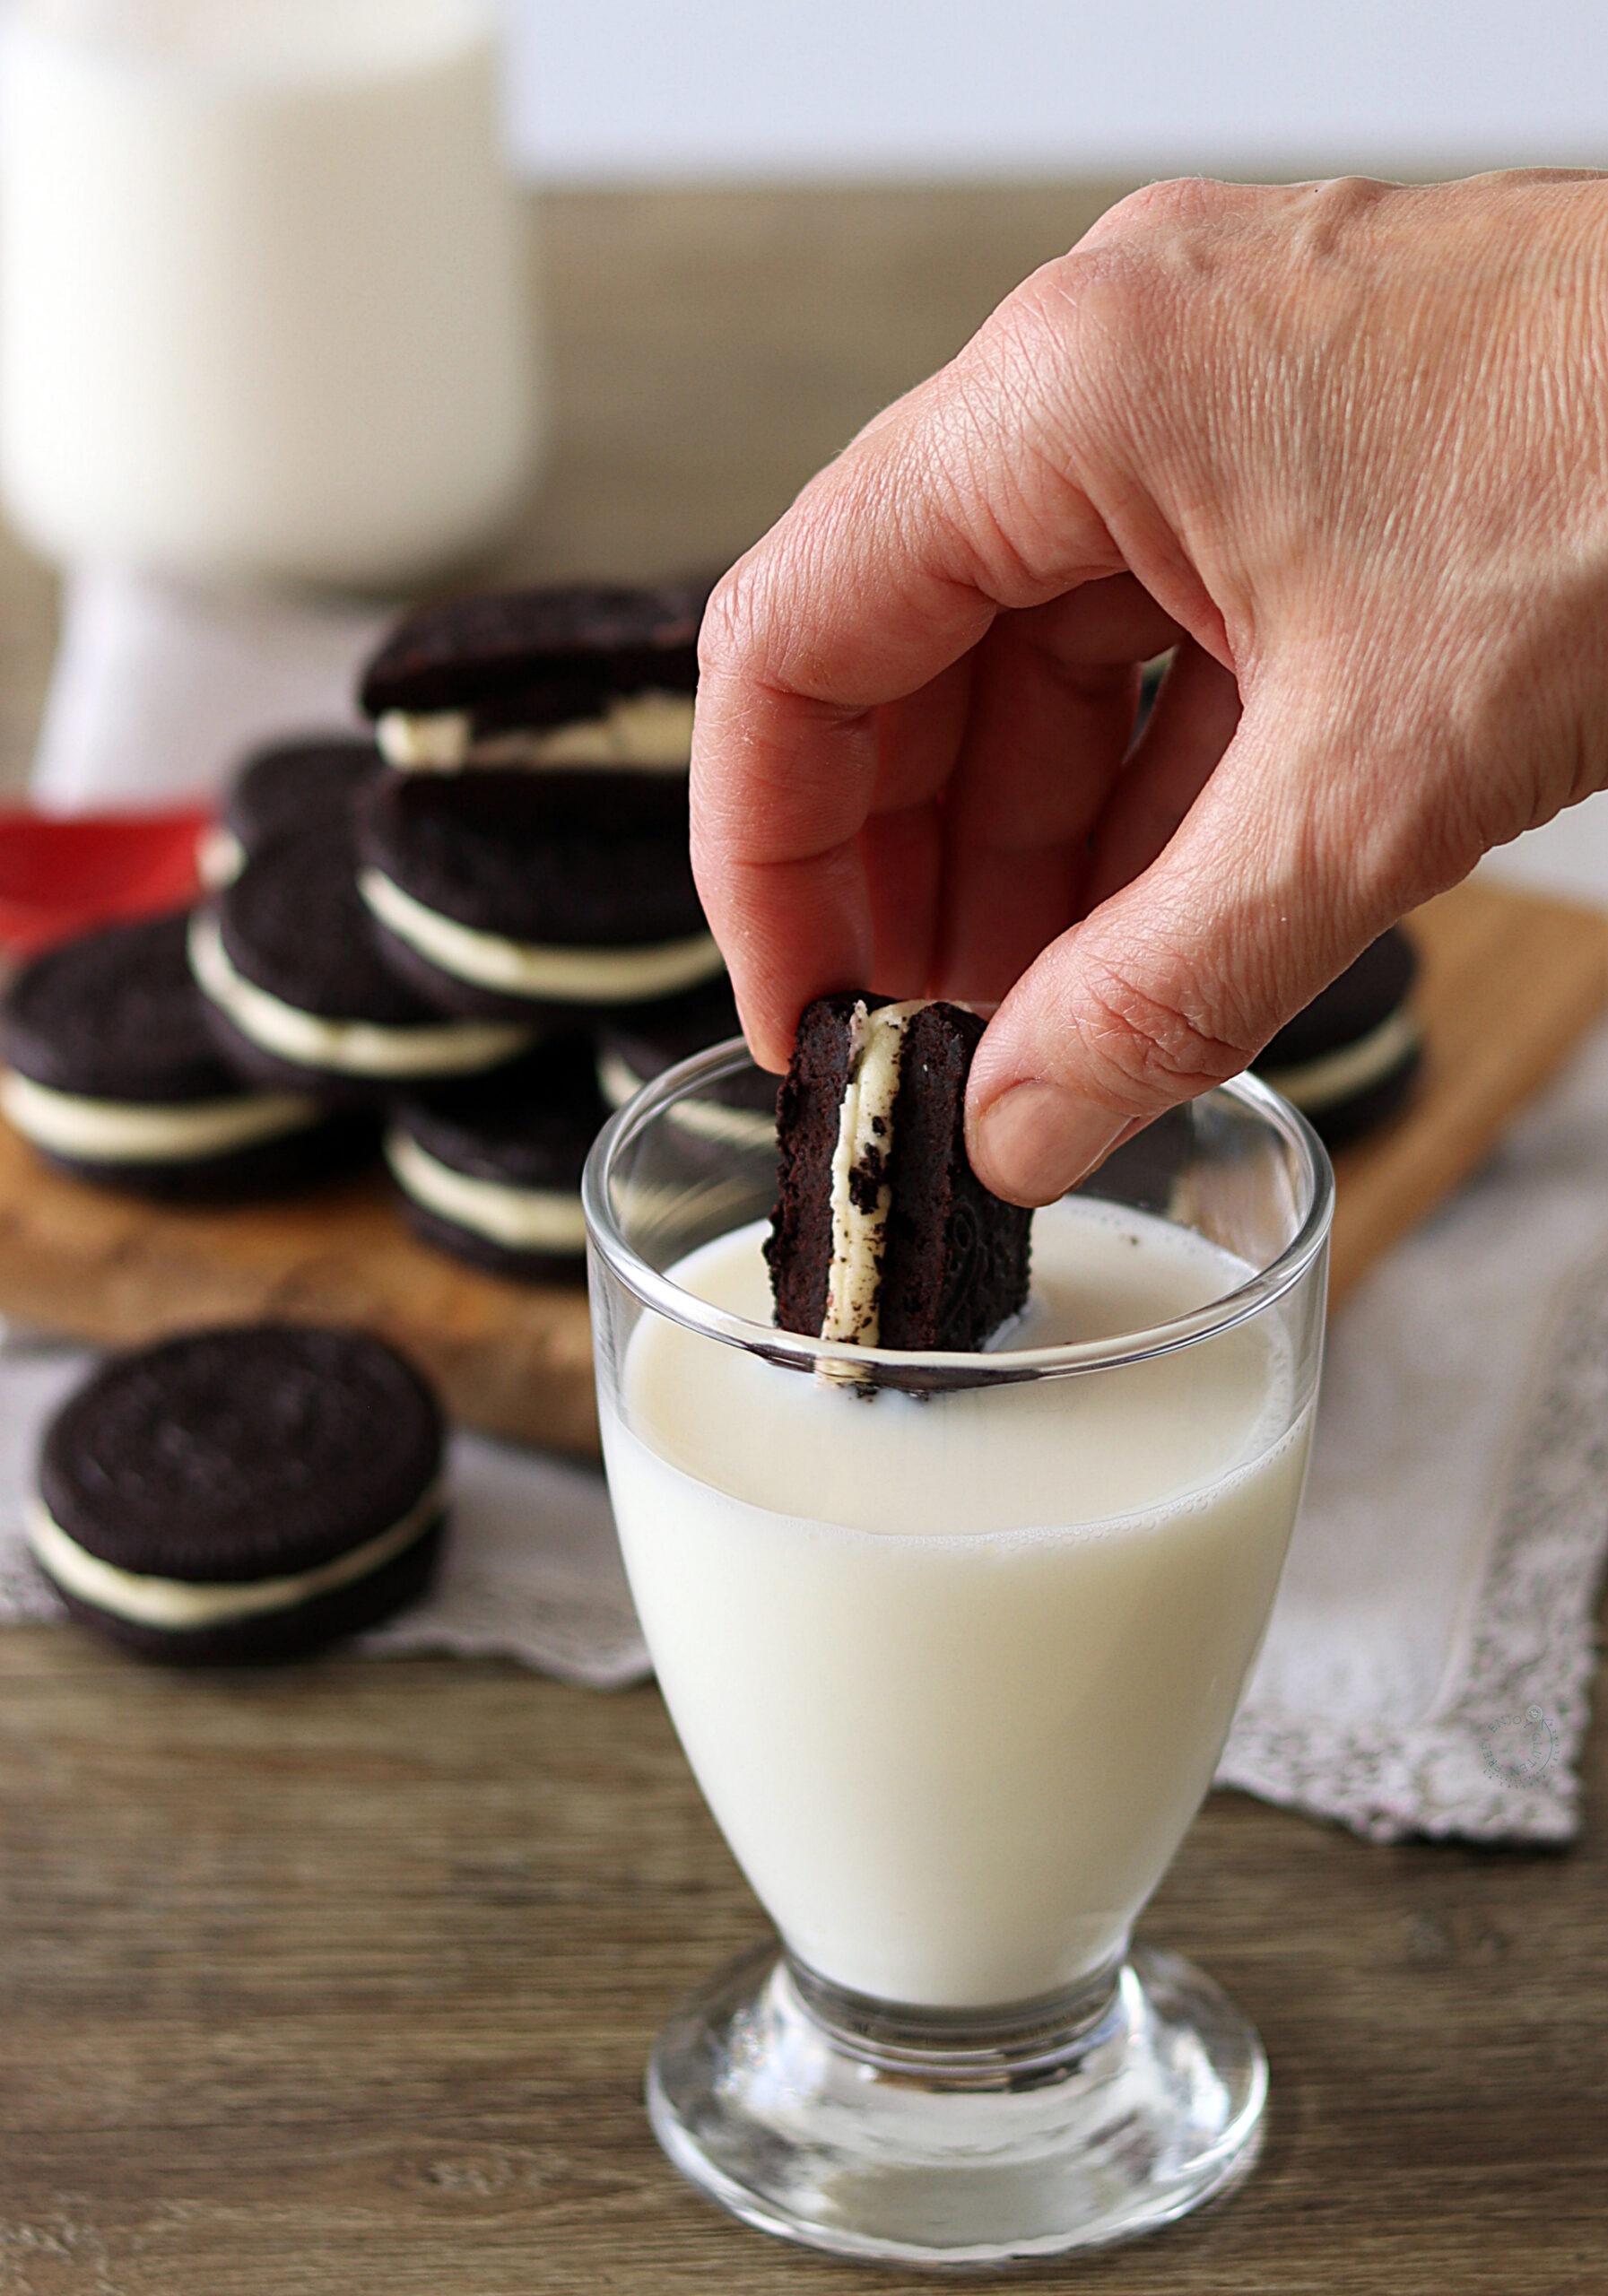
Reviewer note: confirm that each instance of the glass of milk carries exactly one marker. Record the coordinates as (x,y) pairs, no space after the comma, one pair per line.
(265,315)
(953,1645)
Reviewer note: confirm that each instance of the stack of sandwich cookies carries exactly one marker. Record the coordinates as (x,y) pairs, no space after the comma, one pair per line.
(636,1047)
(1349,1060)
(581,676)
(298,995)
(523,895)
(564,885)
(243,1494)
(289,786)
(113,1076)
(882,1234)
(489,1168)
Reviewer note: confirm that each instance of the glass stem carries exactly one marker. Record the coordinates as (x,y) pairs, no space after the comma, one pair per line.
(1024,2045)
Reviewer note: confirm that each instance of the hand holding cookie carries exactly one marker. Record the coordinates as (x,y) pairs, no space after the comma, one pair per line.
(1345,448)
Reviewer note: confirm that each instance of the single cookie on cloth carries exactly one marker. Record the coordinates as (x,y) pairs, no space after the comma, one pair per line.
(489,1168)
(535,895)
(882,1235)
(579,675)
(288,786)
(634,1047)
(298,995)
(112,1075)
(242,1494)
(1349,1059)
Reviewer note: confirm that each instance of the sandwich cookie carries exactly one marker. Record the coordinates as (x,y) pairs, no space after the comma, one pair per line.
(882,1234)
(298,995)
(113,1076)
(291,786)
(242,1494)
(524,895)
(489,1168)
(1349,1060)
(634,1047)
(581,676)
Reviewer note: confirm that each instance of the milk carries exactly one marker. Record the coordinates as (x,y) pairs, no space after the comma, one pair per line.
(265,310)
(955,1673)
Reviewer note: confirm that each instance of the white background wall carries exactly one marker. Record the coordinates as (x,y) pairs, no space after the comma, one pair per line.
(621,89)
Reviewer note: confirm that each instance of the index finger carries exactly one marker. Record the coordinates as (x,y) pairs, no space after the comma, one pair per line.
(955,504)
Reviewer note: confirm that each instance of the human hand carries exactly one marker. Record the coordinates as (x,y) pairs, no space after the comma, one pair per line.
(1346,446)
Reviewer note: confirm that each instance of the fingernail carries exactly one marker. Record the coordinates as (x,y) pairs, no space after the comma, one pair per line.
(1031,1143)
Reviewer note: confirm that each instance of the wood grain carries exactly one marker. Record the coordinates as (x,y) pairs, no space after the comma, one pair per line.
(343,1980)
(1510,981)
(514,1359)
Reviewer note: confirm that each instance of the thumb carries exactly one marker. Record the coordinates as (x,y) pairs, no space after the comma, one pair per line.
(1268,889)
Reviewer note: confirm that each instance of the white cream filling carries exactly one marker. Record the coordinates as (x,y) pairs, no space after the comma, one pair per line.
(220,857)
(707,1119)
(647,732)
(346,1048)
(416,741)
(864,1128)
(524,969)
(138,1131)
(617,1079)
(523,1219)
(182,1603)
(1317,1084)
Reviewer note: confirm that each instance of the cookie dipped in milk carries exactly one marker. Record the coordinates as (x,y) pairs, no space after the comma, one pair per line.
(954,1665)
(954,1530)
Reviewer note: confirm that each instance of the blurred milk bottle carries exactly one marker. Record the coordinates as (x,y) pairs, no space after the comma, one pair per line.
(263,312)
(264,315)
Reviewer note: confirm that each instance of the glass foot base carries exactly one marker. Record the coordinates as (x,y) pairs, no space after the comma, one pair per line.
(830,2121)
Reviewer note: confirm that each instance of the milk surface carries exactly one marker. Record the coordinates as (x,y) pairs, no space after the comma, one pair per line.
(953,1674)
(265,306)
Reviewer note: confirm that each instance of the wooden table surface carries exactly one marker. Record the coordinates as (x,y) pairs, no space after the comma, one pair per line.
(341,1979)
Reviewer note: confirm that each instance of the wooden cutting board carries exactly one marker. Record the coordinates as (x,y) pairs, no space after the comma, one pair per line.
(1509,982)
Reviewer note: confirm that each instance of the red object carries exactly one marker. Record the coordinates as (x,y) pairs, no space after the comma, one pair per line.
(61,873)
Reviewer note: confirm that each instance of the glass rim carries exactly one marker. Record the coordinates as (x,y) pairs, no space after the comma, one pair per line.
(942,1367)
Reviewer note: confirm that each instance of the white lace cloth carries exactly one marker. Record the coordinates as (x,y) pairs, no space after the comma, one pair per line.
(1426,1667)
(1428,1661)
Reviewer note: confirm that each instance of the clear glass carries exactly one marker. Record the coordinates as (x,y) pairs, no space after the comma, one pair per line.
(953,1643)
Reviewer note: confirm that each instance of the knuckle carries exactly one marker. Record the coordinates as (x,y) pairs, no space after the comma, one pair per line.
(1333,208)
(1140,1044)
(1102,317)
(1064,362)
(1178,200)
(749,638)
(725,633)
(753,632)
(1102,297)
